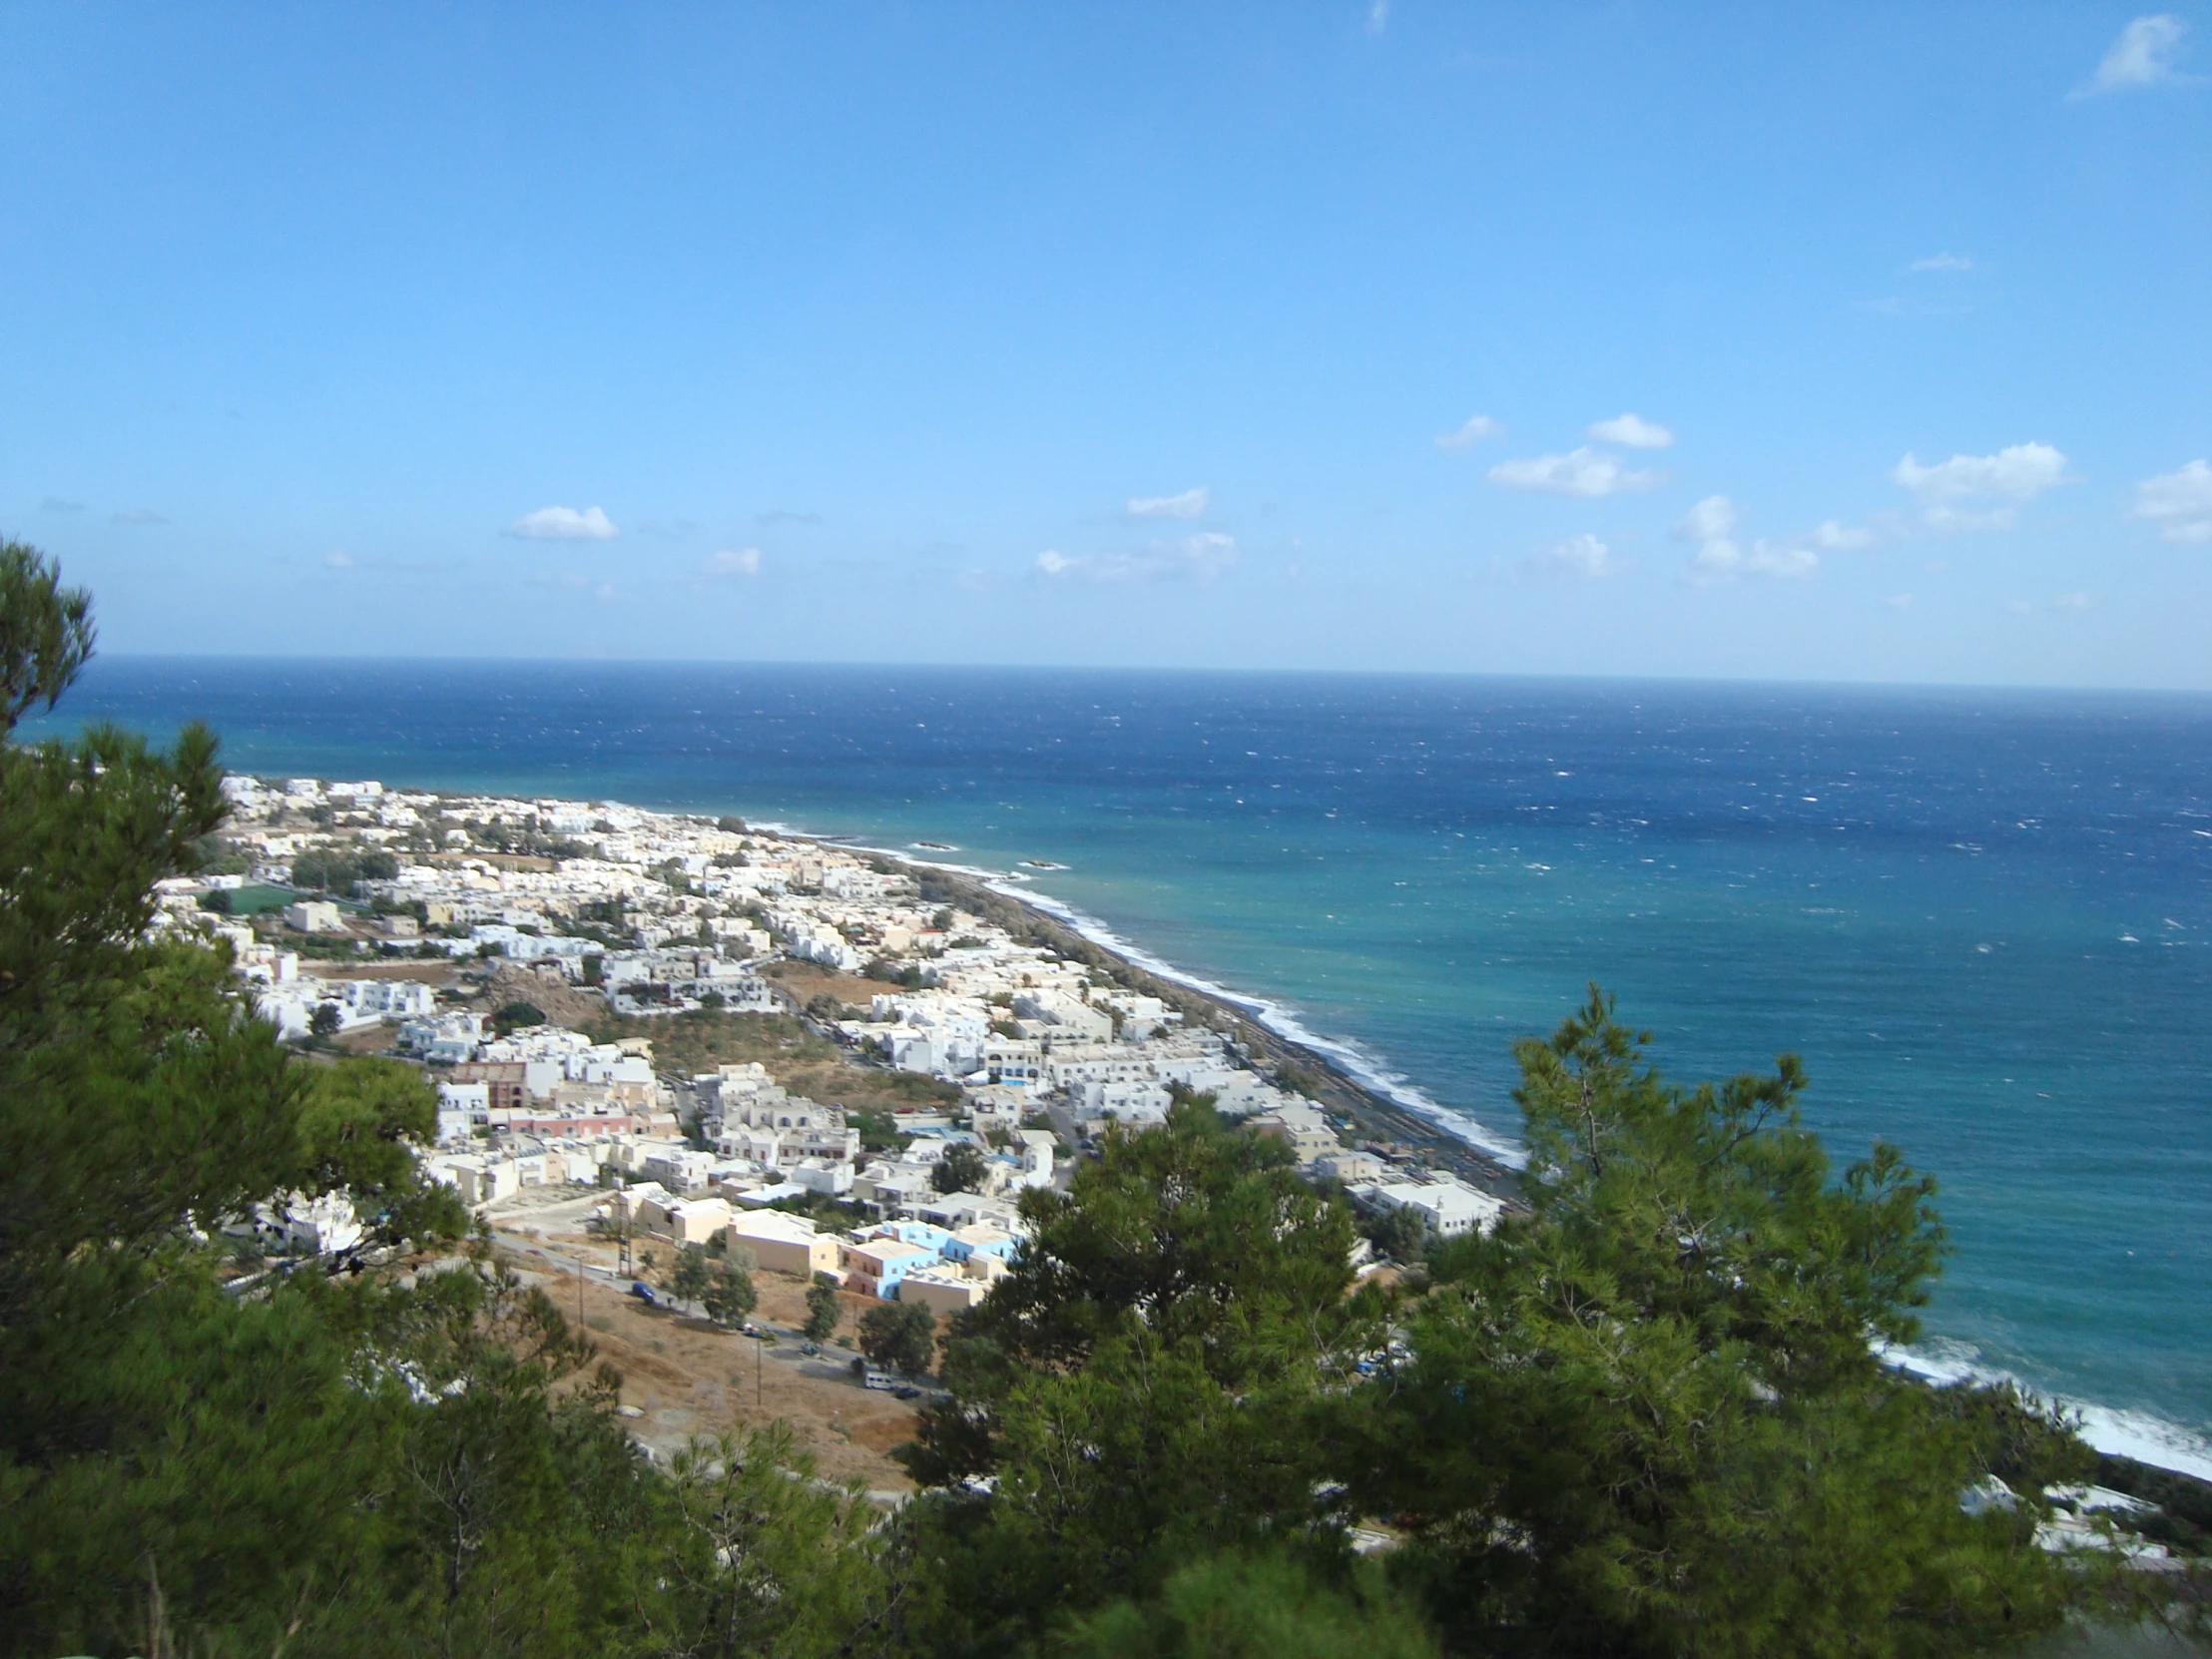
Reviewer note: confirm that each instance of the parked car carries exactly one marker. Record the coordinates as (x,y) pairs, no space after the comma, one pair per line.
(873,1379)
(647,1294)
(809,1349)
(906,1391)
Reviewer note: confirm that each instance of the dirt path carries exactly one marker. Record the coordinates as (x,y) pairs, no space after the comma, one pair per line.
(684,1376)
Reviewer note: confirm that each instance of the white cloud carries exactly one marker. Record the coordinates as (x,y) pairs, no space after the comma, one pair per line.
(2180,501)
(1632,431)
(1190,504)
(1720,558)
(1477,428)
(2018,607)
(2018,473)
(1797,563)
(1205,554)
(1943,262)
(338,559)
(2142,57)
(1716,561)
(1711,518)
(1583,473)
(1900,602)
(139,515)
(1583,557)
(1378,16)
(564,524)
(735,561)
(55,504)
(2072,602)
(1832,537)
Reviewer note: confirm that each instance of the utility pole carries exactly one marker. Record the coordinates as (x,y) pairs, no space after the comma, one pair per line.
(759,1361)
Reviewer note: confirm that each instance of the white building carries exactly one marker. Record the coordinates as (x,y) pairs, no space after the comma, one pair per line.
(1451,1207)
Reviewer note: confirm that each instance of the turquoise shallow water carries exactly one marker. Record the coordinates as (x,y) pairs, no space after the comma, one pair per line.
(1980,917)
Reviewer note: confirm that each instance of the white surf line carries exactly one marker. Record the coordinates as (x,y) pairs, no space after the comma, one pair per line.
(2123,1434)
(1354,1060)
(1394,1086)
(2146,1437)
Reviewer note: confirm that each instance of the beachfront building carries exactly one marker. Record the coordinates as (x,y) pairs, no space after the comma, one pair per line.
(1448,1206)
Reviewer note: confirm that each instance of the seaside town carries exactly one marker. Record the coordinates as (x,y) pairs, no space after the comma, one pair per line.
(653,1031)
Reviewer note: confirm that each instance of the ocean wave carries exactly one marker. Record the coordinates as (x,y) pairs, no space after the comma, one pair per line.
(1354,1061)
(2142,1435)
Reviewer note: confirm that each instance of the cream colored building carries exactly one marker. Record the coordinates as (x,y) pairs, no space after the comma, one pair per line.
(783,1243)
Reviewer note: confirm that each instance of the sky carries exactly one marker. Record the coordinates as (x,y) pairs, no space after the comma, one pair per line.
(1846,342)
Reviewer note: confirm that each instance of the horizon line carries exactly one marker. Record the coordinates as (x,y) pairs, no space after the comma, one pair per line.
(1870,683)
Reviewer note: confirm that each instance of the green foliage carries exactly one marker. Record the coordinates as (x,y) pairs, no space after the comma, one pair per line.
(1199,1235)
(45,632)
(212,855)
(899,1335)
(360,1123)
(690,1274)
(2184,1523)
(1141,1387)
(776,1562)
(1637,1418)
(1400,1234)
(729,1295)
(824,1311)
(960,1170)
(1252,1606)
(137,1092)
(879,1131)
(514,1016)
(338,870)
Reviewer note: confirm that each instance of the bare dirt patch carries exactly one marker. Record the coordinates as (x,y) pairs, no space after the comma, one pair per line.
(686,1378)
(560,1002)
(800,1059)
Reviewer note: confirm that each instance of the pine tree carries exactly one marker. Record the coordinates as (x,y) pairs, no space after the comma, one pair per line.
(729,1295)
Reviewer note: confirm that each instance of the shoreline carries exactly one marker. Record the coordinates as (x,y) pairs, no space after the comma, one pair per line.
(1343,1079)
(1254,1023)
(2111,1430)
(2140,1436)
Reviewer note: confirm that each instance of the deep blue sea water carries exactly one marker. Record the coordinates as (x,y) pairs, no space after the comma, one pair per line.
(1984,918)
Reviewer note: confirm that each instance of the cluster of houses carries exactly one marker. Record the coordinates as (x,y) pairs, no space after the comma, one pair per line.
(663,912)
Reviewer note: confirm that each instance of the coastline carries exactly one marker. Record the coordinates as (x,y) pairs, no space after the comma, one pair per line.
(2112,1430)
(1331,1070)
(1344,1079)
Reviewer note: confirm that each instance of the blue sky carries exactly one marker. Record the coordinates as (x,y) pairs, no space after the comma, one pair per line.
(1176,334)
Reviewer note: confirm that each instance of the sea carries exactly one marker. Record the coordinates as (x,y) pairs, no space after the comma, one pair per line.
(1982,918)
